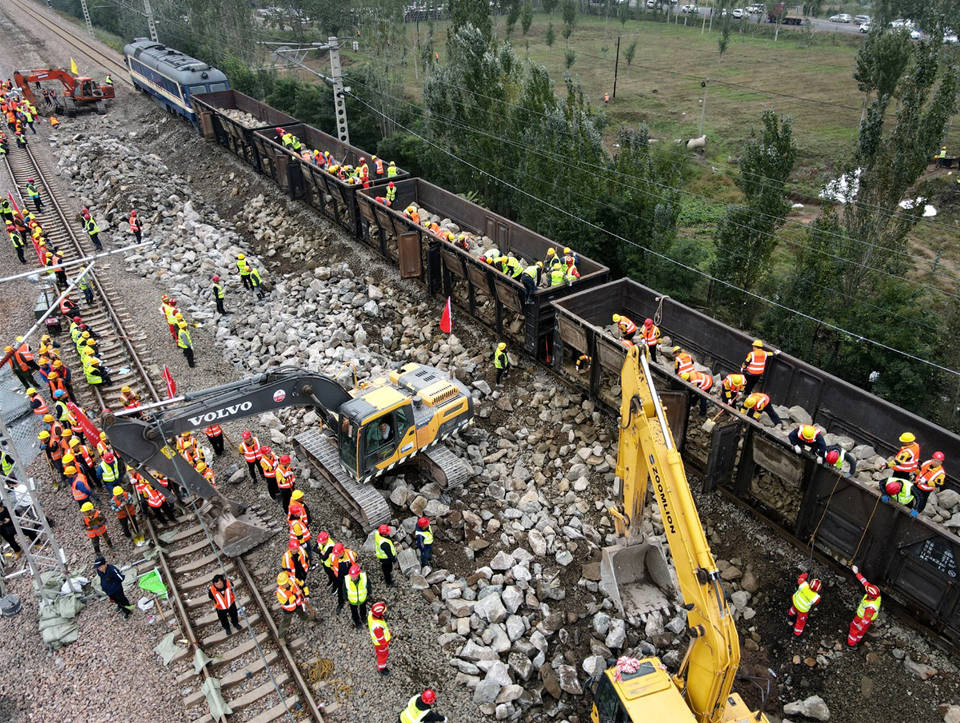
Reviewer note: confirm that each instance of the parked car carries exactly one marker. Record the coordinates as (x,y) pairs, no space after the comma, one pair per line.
(689,9)
(864,27)
(862,19)
(916,35)
(841,18)
(950,38)
(738,13)
(901,23)
(651,4)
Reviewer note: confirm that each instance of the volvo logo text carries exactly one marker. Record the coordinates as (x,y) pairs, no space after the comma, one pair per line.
(223,413)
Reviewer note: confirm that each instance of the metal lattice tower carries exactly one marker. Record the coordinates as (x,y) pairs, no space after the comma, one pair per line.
(40,549)
(339,101)
(86,18)
(148,11)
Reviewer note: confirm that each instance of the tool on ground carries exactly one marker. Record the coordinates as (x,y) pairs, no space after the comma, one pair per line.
(712,422)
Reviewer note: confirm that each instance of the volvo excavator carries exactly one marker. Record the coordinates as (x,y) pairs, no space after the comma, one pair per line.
(387,423)
(641,690)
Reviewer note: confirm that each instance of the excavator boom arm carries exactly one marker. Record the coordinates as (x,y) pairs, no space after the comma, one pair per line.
(143,442)
(647,452)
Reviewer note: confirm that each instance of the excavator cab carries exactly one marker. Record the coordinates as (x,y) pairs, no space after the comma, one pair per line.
(371,440)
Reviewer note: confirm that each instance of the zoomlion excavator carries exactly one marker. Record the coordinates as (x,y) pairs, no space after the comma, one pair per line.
(384,424)
(643,690)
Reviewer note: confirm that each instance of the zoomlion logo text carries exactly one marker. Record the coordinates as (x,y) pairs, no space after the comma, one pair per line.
(220,414)
(667,514)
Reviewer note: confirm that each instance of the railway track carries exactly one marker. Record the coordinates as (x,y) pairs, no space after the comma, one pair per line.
(75,40)
(257,673)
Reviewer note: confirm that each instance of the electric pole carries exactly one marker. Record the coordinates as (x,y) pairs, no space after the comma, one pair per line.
(148,11)
(616,67)
(339,101)
(86,18)
(703,104)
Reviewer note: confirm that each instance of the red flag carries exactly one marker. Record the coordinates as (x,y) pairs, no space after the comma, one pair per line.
(89,430)
(446,318)
(171,384)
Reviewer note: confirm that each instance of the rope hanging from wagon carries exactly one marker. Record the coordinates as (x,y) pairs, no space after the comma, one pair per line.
(867,527)
(813,535)
(658,314)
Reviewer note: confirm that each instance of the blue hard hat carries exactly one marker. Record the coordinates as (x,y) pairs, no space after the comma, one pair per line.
(59,393)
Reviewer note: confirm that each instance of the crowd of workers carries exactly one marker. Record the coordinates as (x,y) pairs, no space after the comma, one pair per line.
(364,174)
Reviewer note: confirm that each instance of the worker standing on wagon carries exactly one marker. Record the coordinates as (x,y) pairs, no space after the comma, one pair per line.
(34,194)
(755,365)
(930,477)
(651,337)
(626,326)
(808,436)
(867,611)
(758,403)
(218,294)
(907,460)
(703,382)
(733,386)
(530,278)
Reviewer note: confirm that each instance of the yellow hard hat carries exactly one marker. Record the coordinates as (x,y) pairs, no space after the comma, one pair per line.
(86,507)
(125,390)
(88,351)
(68,458)
(750,402)
(182,325)
(240,257)
(201,466)
(7,349)
(74,441)
(685,376)
(31,391)
(501,346)
(282,578)
(551,252)
(91,342)
(616,318)
(118,490)
(48,418)
(70,470)
(907,437)
(676,350)
(566,249)
(297,494)
(67,432)
(43,435)
(85,334)
(757,343)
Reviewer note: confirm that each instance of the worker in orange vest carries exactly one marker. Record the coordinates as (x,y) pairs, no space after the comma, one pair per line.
(95,526)
(907,460)
(682,362)
(251,451)
(22,363)
(341,560)
(224,602)
(214,434)
(930,477)
(626,326)
(292,602)
(286,479)
(651,337)
(733,386)
(702,381)
(808,436)
(268,466)
(755,364)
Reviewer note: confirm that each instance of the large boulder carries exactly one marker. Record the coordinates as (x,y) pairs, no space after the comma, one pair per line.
(813,707)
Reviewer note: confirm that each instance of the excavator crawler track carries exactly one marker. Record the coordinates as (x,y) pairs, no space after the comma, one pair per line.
(441,465)
(363,501)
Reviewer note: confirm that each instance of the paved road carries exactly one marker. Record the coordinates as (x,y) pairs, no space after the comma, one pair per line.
(820,24)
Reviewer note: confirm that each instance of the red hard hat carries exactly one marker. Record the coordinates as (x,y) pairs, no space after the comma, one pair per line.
(77,319)
(323,536)
(872,590)
(384,529)
(266,450)
(284,459)
(108,457)
(29,180)
(133,213)
(893,486)
(83,210)
(294,544)
(428,697)
(172,302)
(354,570)
(279,130)
(648,322)
(338,549)
(938,456)
(815,585)
(423,522)
(390,185)
(832,456)
(216,278)
(378,609)
(246,434)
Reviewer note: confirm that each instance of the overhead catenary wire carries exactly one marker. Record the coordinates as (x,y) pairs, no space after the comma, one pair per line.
(664,257)
(897,213)
(613,172)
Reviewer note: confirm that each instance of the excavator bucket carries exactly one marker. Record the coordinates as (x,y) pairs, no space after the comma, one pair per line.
(637,578)
(237,535)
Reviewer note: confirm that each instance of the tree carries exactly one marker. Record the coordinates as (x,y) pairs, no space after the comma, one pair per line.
(746,237)
(526,17)
(568,10)
(513,14)
(550,36)
(549,5)
(470,12)
(569,59)
(630,52)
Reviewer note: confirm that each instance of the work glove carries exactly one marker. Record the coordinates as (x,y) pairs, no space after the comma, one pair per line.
(856,570)
(796,448)
(884,498)
(914,513)
(819,460)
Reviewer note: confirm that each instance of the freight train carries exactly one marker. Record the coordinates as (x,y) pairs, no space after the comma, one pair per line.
(913,559)
(170,77)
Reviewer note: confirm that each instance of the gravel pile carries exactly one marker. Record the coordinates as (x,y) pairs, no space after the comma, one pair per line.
(243,118)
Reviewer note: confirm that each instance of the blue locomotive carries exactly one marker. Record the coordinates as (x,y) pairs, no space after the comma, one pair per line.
(170,76)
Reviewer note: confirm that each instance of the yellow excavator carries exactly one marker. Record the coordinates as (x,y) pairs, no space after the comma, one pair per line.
(641,690)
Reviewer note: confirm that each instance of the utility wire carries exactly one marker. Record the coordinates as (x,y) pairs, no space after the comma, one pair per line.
(603,169)
(662,256)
